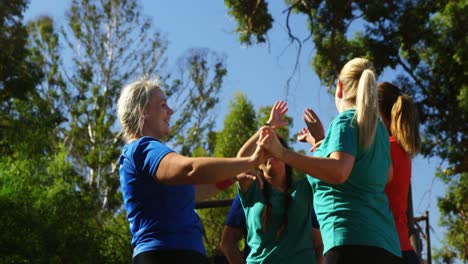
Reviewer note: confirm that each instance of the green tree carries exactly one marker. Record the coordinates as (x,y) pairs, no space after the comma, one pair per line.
(46,219)
(39,191)
(19,75)
(239,125)
(423,42)
(111,42)
(194,97)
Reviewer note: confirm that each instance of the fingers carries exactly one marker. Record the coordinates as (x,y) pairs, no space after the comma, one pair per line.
(310,116)
(278,111)
(311,113)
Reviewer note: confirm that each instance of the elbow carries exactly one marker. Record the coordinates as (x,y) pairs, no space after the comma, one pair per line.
(340,180)
(341,177)
(223,246)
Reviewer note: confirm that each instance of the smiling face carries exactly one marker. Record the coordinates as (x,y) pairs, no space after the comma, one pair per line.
(157,115)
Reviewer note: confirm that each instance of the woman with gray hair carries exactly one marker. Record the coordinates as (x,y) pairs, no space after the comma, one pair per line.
(158,184)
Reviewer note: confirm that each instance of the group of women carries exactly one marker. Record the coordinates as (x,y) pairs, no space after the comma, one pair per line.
(358,179)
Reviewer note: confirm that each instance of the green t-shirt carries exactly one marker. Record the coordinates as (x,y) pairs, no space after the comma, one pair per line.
(296,244)
(357,211)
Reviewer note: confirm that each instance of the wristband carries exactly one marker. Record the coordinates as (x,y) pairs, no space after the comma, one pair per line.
(223,185)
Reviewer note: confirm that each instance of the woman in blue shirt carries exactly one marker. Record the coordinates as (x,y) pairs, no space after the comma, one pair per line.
(157,183)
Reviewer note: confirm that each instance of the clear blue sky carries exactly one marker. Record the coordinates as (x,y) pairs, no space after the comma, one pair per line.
(260,72)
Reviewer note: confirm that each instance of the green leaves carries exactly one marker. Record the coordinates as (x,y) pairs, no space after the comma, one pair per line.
(253,19)
(423,42)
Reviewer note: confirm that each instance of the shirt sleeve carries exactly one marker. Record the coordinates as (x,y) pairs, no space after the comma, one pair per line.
(315,223)
(236,216)
(149,154)
(342,136)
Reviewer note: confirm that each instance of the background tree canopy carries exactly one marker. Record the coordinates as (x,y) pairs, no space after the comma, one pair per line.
(59,80)
(424,42)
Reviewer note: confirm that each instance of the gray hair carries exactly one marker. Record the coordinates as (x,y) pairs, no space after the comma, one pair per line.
(132,103)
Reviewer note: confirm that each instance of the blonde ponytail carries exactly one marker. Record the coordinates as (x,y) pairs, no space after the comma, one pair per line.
(360,88)
(404,125)
(367,108)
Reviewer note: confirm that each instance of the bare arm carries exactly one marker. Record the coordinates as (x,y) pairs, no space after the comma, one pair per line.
(334,169)
(229,244)
(276,120)
(390,174)
(246,150)
(178,169)
(205,191)
(318,244)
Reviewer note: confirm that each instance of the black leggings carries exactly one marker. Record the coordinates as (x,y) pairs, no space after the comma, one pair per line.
(410,257)
(170,256)
(360,254)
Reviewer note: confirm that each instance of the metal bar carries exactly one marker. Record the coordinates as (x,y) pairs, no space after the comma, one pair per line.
(428,242)
(213,204)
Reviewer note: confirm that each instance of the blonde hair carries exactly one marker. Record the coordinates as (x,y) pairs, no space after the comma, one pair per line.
(132,104)
(360,88)
(402,116)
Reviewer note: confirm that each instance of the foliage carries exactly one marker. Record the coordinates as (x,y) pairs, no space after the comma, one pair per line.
(18,74)
(239,125)
(111,42)
(194,96)
(66,204)
(45,219)
(253,19)
(114,239)
(454,207)
(424,43)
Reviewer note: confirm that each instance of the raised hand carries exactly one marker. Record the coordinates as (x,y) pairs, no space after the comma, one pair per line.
(314,125)
(305,136)
(278,111)
(269,142)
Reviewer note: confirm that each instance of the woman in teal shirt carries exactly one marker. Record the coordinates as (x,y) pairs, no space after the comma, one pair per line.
(278,211)
(349,172)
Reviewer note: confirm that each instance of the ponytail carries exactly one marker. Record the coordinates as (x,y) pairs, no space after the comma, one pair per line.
(404,125)
(359,85)
(367,108)
(266,212)
(401,117)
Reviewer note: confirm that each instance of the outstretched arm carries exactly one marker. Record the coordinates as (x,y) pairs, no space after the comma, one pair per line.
(334,169)
(178,169)
(246,178)
(276,120)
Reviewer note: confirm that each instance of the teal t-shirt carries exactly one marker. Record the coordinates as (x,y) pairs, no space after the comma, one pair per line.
(356,212)
(296,243)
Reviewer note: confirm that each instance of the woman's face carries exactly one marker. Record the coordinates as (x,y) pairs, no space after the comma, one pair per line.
(157,116)
(274,168)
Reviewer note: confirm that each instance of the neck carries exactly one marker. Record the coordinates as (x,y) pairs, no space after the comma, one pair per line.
(277,182)
(346,105)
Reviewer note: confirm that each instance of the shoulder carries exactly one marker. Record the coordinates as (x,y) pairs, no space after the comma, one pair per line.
(345,116)
(344,121)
